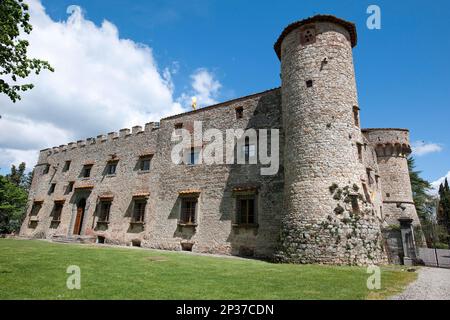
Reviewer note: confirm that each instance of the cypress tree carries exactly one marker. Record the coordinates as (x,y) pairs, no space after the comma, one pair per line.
(444,207)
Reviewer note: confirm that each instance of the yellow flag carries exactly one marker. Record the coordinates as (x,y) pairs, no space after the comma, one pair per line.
(194,103)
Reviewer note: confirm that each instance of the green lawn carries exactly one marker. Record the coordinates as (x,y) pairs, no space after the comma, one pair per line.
(37,270)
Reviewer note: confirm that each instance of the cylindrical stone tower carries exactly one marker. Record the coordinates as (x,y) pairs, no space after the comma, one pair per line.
(327,218)
(393,148)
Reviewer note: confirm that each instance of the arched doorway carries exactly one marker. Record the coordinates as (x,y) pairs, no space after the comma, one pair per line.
(81,205)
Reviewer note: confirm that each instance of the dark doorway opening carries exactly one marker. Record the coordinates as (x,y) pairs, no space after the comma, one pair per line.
(101,239)
(186,246)
(136,243)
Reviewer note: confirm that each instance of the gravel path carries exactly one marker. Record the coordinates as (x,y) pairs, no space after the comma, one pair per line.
(432,284)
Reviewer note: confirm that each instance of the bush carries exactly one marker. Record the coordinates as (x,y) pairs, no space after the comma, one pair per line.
(441,245)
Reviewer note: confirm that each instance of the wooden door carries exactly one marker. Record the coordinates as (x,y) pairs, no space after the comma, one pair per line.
(79,218)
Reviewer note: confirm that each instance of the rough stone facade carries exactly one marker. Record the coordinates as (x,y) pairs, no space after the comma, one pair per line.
(336,188)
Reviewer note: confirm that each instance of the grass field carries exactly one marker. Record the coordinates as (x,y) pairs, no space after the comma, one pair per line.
(37,270)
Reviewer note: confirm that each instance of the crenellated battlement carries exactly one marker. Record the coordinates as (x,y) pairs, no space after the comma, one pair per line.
(336,187)
(389,142)
(101,138)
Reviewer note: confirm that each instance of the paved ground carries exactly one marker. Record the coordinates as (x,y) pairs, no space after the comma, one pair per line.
(432,284)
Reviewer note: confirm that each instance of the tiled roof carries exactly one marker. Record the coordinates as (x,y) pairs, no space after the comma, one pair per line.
(141,194)
(106,196)
(190,191)
(349,26)
(222,104)
(383,129)
(87,186)
(145,154)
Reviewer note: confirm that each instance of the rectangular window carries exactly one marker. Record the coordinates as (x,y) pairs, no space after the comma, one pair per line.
(52,188)
(249,151)
(105,207)
(66,166)
(35,209)
(194,156)
(239,112)
(178,126)
(46,169)
(139,211)
(355,204)
(369,176)
(111,168)
(377,180)
(70,187)
(356,115)
(57,211)
(188,209)
(145,164)
(87,171)
(246,210)
(360,155)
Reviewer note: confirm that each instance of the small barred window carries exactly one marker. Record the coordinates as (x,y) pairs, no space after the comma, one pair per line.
(308,36)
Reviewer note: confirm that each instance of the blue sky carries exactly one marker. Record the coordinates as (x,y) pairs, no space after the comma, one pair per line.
(402,70)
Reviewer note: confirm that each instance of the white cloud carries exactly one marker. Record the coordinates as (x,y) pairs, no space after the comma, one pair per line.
(16,156)
(101,83)
(435,185)
(421,148)
(204,87)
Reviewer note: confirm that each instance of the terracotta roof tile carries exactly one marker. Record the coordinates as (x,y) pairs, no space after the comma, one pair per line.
(349,26)
(141,194)
(190,191)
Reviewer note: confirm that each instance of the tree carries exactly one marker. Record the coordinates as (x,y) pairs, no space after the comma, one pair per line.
(424,202)
(13,200)
(14,189)
(19,177)
(14,63)
(26,183)
(17,174)
(443,213)
(420,188)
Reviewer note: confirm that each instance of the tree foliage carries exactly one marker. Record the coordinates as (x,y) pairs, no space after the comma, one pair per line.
(13,198)
(19,177)
(423,201)
(14,62)
(443,213)
(425,204)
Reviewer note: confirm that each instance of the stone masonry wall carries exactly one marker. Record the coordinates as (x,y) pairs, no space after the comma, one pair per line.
(216,231)
(335,188)
(392,148)
(321,154)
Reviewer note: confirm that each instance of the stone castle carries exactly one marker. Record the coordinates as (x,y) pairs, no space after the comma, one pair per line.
(338,185)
